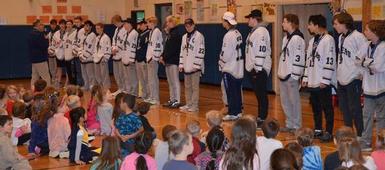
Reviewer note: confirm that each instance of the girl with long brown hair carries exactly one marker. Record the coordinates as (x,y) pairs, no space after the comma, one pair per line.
(109,158)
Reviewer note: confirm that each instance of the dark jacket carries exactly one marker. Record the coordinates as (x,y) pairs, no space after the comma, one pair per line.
(142,46)
(171,50)
(38,46)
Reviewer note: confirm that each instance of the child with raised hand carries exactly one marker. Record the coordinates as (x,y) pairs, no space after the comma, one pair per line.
(379,154)
(311,153)
(139,159)
(162,151)
(10,158)
(194,129)
(59,129)
(93,124)
(21,131)
(209,160)
(143,108)
(128,125)
(267,143)
(110,155)
(104,111)
(78,146)
(180,144)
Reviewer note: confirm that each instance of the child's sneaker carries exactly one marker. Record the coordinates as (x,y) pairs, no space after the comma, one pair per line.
(230,118)
(65,154)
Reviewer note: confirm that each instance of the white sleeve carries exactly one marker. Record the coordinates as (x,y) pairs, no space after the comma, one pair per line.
(79,137)
(113,38)
(299,57)
(377,65)
(158,48)
(106,47)
(182,51)
(361,42)
(307,62)
(132,48)
(260,49)
(329,62)
(228,47)
(200,52)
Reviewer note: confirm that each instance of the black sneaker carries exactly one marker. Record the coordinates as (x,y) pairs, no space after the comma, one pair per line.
(168,104)
(317,134)
(326,137)
(174,104)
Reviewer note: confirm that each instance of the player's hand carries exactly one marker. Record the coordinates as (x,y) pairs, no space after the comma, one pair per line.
(304,84)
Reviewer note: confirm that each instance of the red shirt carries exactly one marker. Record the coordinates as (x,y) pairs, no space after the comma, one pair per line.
(196,151)
(9,106)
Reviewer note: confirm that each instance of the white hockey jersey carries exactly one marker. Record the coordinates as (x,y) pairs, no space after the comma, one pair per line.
(292,59)
(69,44)
(58,43)
(51,44)
(86,47)
(373,81)
(192,52)
(155,45)
(349,52)
(258,50)
(129,47)
(102,50)
(230,59)
(79,38)
(118,42)
(321,62)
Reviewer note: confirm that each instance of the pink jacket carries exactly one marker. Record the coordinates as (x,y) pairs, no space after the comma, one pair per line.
(59,131)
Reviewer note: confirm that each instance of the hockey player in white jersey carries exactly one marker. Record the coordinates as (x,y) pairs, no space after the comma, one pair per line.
(69,56)
(128,58)
(79,37)
(373,82)
(85,53)
(52,64)
(117,52)
(154,51)
(191,62)
(258,61)
(290,70)
(319,75)
(231,65)
(349,70)
(101,55)
(58,47)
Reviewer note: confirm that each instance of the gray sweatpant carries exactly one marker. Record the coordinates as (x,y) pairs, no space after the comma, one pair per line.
(291,103)
(191,84)
(373,106)
(141,72)
(224,95)
(172,73)
(131,81)
(102,76)
(153,80)
(40,70)
(52,65)
(88,73)
(118,74)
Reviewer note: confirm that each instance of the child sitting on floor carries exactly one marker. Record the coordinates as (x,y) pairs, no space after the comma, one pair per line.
(212,156)
(110,155)
(379,154)
(93,124)
(267,143)
(311,153)
(162,151)
(214,119)
(143,108)
(194,129)
(104,111)
(21,131)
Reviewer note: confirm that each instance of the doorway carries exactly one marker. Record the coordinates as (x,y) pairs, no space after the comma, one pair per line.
(138,15)
(162,11)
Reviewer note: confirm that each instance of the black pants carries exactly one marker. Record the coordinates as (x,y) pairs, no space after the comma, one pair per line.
(259,83)
(71,71)
(349,98)
(321,101)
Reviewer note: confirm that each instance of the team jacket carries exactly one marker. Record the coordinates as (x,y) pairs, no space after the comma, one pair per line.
(58,44)
(69,44)
(292,59)
(79,38)
(258,50)
(118,42)
(230,59)
(192,52)
(142,46)
(86,47)
(102,50)
(320,62)
(129,47)
(155,45)
(349,52)
(373,81)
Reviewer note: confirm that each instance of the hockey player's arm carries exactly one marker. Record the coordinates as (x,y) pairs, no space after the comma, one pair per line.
(261,51)
(181,53)
(361,42)
(329,63)
(377,65)
(299,57)
(307,64)
(228,47)
(200,52)
(132,48)
(106,47)
(158,48)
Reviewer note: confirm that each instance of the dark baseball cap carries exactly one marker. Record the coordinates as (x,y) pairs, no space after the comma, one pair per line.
(188,21)
(142,22)
(254,13)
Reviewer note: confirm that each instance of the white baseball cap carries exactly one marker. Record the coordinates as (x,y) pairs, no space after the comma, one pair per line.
(230,17)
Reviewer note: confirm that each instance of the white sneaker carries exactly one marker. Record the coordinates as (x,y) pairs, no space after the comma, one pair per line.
(230,118)
(184,108)
(153,102)
(195,110)
(65,154)
(53,154)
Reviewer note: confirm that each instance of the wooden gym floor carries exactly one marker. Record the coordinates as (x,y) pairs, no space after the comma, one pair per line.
(210,99)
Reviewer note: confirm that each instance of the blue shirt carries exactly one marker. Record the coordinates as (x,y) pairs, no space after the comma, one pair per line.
(175,164)
(312,158)
(128,124)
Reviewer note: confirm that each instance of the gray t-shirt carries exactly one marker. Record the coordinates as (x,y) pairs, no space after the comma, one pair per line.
(176,164)
(105,118)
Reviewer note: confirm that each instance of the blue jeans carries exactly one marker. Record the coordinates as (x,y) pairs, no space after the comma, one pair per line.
(233,87)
